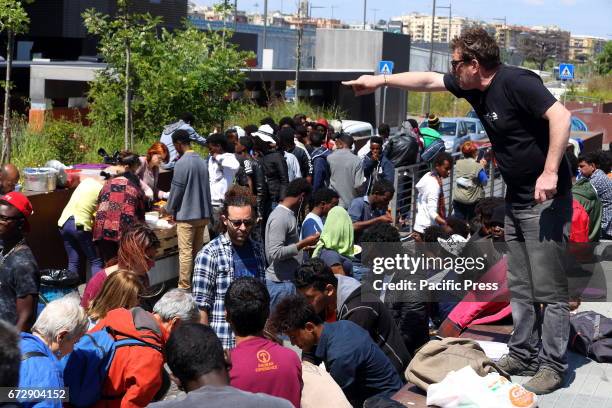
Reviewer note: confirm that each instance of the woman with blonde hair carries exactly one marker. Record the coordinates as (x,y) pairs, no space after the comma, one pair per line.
(121,289)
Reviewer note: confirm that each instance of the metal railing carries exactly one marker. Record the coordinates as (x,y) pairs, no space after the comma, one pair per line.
(406,178)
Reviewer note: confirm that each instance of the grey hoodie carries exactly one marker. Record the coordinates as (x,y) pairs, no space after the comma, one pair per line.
(166,138)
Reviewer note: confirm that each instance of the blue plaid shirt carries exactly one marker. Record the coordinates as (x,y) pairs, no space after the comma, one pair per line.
(212,274)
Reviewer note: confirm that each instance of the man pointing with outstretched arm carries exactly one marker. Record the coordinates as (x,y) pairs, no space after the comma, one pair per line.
(529,130)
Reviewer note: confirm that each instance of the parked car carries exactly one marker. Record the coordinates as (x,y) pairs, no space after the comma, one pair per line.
(454,132)
(475,129)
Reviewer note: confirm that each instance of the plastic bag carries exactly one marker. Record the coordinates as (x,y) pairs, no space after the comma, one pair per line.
(466,389)
(59,278)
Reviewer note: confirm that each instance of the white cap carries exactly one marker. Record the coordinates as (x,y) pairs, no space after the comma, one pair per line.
(240,131)
(453,245)
(265,133)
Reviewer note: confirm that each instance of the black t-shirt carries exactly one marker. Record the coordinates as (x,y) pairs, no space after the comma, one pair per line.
(19,277)
(511,110)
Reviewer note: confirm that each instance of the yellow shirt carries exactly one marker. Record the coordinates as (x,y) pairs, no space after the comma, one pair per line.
(82,204)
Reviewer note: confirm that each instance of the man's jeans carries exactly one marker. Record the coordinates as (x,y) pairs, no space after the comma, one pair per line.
(77,240)
(278,291)
(536,237)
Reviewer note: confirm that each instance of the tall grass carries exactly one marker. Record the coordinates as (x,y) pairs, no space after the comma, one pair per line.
(72,142)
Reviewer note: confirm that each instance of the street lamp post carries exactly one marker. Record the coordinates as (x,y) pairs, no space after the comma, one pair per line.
(433,23)
(265,30)
(365,5)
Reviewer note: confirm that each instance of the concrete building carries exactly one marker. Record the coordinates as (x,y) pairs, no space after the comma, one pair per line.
(418,26)
(584,47)
(361,50)
(57,30)
(282,40)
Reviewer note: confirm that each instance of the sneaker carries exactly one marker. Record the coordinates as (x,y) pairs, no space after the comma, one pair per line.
(545,381)
(513,366)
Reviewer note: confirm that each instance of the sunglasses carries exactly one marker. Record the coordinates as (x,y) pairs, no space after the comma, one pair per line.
(455,63)
(4,218)
(237,223)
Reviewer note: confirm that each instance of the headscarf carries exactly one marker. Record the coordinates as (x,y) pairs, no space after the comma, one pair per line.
(337,234)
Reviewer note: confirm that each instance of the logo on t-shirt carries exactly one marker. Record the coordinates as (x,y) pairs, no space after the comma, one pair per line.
(265,362)
(491,117)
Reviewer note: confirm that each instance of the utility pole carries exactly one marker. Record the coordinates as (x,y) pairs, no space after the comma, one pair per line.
(433,23)
(332,11)
(265,30)
(235,14)
(298,55)
(365,8)
(374,10)
(448,34)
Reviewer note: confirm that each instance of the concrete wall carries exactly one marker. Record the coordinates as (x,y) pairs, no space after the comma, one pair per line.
(281,39)
(362,50)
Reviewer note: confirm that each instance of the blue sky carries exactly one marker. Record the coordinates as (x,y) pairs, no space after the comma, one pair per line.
(587,17)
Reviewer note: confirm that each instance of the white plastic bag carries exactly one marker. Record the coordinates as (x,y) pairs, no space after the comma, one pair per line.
(466,389)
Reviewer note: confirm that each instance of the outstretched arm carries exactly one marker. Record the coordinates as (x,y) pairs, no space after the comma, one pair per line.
(410,81)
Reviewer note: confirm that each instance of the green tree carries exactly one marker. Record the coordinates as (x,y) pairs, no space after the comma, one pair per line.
(604,60)
(14,20)
(173,72)
(122,38)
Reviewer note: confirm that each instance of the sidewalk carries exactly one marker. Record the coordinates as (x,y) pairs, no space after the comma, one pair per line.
(588,384)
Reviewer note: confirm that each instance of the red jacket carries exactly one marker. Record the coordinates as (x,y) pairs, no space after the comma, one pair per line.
(135,373)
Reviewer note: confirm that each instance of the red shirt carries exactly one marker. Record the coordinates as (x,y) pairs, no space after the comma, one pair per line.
(260,365)
(93,287)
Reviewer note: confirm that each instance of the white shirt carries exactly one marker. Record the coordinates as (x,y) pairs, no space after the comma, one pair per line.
(427,202)
(293,166)
(221,171)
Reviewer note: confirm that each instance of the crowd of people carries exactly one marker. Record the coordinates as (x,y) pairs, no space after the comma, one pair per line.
(269,227)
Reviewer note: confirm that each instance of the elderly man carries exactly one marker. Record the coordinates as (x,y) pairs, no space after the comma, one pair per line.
(9,177)
(529,130)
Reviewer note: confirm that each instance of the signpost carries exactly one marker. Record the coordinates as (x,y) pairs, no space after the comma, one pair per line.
(385,68)
(566,73)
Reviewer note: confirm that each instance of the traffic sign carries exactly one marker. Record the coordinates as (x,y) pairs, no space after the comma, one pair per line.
(385,67)
(566,71)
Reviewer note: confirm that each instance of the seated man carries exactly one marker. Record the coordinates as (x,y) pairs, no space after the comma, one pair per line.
(323,200)
(195,356)
(371,209)
(337,297)
(258,364)
(358,366)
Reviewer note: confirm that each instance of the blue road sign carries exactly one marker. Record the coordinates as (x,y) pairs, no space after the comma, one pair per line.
(385,67)
(566,71)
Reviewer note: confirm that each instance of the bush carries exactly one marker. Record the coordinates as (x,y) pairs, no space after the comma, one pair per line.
(72,143)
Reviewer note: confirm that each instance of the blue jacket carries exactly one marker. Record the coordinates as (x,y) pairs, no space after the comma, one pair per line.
(377,170)
(166,138)
(358,365)
(320,168)
(39,371)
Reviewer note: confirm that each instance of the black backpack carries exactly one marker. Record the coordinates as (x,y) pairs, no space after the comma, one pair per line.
(591,336)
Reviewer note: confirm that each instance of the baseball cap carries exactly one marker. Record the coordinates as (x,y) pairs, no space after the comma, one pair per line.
(21,203)
(239,130)
(265,133)
(323,122)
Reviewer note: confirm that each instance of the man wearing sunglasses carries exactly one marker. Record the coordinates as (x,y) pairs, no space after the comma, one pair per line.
(529,130)
(229,256)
